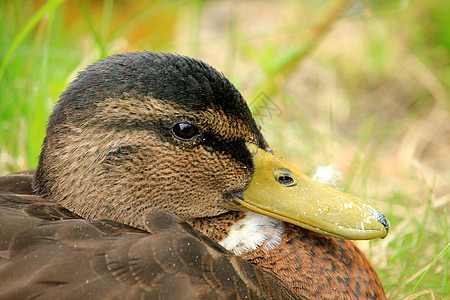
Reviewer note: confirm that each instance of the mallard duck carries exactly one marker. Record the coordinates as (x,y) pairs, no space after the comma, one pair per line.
(154,181)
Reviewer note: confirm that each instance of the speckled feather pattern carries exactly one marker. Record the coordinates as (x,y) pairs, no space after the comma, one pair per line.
(138,120)
(121,208)
(319,267)
(47,252)
(103,259)
(61,256)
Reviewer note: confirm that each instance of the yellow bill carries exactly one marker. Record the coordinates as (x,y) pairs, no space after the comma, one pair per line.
(281,191)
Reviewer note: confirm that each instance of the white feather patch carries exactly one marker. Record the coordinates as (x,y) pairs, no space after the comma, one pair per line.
(253,231)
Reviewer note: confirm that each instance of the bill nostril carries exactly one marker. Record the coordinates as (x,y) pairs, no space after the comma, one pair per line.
(286,180)
(284,177)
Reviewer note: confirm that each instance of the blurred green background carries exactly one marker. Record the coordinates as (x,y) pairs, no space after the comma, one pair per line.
(363,85)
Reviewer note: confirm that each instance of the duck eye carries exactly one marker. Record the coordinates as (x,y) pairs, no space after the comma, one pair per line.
(185,131)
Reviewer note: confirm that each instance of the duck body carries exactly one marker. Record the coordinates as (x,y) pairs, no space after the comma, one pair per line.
(56,254)
(147,172)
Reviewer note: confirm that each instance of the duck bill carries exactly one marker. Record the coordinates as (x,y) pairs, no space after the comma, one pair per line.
(281,191)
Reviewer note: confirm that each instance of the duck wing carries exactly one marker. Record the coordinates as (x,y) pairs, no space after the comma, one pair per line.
(48,252)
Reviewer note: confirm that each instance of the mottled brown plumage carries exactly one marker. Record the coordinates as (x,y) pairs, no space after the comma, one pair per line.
(319,267)
(50,253)
(125,208)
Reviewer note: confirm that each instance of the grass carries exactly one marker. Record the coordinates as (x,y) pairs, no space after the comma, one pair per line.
(360,85)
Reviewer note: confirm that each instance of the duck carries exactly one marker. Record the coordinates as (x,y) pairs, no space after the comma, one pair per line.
(155,182)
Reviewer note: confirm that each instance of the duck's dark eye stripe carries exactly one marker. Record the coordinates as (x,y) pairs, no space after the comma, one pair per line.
(185,131)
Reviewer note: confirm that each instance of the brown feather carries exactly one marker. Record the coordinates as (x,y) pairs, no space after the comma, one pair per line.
(110,165)
(47,257)
(49,252)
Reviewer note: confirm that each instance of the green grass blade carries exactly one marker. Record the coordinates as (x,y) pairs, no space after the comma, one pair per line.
(445,277)
(107,18)
(98,39)
(47,8)
(429,267)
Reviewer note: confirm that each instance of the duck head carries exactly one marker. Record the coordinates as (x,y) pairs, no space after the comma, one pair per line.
(142,131)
